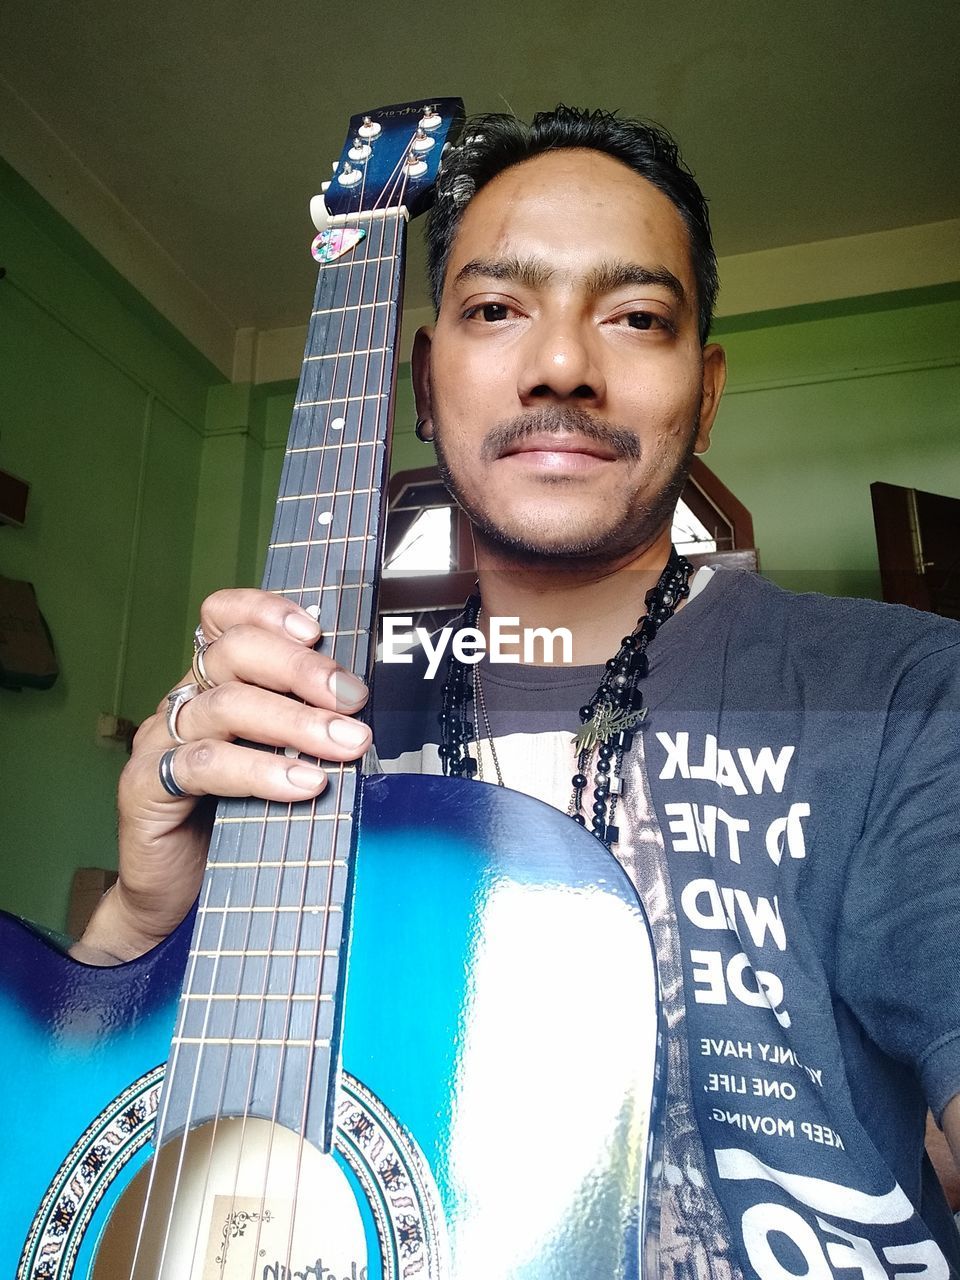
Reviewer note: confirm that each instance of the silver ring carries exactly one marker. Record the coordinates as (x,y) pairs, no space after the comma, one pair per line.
(175,700)
(199,668)
(200,641)
(168,778)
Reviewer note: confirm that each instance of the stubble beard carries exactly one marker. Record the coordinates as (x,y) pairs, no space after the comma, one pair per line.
(639,525)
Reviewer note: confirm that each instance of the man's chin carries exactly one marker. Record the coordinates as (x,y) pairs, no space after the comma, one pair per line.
(554,545)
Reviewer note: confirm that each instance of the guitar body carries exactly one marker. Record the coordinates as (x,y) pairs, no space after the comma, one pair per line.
(495,1089)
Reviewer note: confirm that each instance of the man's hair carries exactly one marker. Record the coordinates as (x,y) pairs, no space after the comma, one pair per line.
(495,142)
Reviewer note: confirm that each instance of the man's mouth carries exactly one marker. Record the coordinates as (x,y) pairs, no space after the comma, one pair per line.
(551,443)
(561,433)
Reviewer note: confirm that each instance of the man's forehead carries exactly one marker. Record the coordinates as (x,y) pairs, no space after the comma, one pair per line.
(558,211)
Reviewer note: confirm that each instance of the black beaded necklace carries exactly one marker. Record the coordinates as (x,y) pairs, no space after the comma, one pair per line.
(607,721)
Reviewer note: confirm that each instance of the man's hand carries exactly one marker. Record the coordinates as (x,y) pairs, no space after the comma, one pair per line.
(260,650)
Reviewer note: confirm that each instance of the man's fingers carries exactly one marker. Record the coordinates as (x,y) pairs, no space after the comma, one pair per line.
(258,657)
(237,710)
(246,607)
(212,768)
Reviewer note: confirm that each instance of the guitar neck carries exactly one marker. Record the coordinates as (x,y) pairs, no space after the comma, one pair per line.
(323,551)
(260,1015)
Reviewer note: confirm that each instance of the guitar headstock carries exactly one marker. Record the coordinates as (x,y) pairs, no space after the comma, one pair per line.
(391,157)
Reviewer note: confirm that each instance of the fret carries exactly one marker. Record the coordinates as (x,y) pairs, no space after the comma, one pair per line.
(286,865)
(273,841)
(279,952)
(366,306)
(256,1021)
(345,379)
(319,591)
(218,930)
(357,263)
(347,515)
(356,399)
(312,542)
(340,289)
(331,466)
(329,495)
(280,1042)
(352,355)
(310,562)
(266,909)
(337,447)
(293,817)
(253,997)
(254,886)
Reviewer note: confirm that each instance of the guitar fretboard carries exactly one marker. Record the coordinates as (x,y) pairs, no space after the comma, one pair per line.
(259,1022)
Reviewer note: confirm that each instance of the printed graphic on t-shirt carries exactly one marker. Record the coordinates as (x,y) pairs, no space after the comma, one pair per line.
(804,1192)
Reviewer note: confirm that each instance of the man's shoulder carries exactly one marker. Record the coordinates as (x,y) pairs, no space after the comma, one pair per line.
(848,620)
(767,644)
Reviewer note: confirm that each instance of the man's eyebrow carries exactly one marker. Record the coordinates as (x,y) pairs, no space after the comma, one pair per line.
(615,275)
(529,272)
(533,273)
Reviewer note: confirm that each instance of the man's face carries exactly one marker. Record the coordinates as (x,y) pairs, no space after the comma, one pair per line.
(565,380)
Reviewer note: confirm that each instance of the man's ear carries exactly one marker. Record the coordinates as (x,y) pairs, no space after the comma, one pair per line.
(714,380)
(420,370)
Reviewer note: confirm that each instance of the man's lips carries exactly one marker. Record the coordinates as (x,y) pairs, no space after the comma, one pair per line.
(554,444)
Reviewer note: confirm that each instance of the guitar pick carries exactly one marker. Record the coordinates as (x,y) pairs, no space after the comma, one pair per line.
(335,242)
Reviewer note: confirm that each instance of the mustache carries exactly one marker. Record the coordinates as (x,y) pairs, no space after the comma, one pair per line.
(556,420)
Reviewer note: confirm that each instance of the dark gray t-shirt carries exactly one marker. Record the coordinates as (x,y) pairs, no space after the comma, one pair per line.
(790,824)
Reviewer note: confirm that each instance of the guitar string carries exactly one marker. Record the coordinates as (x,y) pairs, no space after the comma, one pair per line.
(202,1046)
(390,198)
(256,867)
(167,1093)
(341,770)
(361,261)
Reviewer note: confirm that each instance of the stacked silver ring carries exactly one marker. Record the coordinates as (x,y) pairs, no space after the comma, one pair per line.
(175,700)
(200,646)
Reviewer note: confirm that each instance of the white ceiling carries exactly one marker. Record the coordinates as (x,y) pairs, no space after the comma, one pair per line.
(210,124)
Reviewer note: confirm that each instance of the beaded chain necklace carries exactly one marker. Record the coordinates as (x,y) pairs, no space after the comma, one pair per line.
(607,720)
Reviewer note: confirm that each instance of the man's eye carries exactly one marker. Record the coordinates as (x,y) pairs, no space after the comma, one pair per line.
(644,320)
(489,311)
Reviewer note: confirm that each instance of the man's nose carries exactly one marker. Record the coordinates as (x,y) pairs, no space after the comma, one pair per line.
(561,362)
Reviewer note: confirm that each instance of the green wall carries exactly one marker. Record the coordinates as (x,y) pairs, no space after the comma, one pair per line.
(822,401)
(102,411)
(153,483)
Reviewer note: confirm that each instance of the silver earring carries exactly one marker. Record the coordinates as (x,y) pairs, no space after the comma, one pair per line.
(419,430)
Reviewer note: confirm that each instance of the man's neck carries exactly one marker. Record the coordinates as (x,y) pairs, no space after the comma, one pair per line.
(598,606)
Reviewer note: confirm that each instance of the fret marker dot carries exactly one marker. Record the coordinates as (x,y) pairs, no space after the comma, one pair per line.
(291,753)
(324,517)
(314,611)
(338,424)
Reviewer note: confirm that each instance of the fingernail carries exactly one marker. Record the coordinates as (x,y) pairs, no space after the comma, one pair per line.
(347,733)
(347,689)
(305,777)
(301,626)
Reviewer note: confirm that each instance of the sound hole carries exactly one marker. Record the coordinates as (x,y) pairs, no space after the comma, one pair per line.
(241,1200)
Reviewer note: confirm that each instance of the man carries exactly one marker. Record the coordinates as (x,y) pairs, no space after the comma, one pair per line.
(786,812)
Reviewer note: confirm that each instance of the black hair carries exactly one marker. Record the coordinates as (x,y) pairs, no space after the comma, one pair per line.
(495,142)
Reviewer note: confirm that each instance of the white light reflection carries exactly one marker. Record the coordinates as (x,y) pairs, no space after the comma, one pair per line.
(549,1127)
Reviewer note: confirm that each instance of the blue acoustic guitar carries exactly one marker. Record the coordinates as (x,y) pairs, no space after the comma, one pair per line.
(410,1031)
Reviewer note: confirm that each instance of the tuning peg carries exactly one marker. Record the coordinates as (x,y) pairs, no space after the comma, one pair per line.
(414,166)
(369,129)
(360,150)
(430,119)
(422,142)
(349,176)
